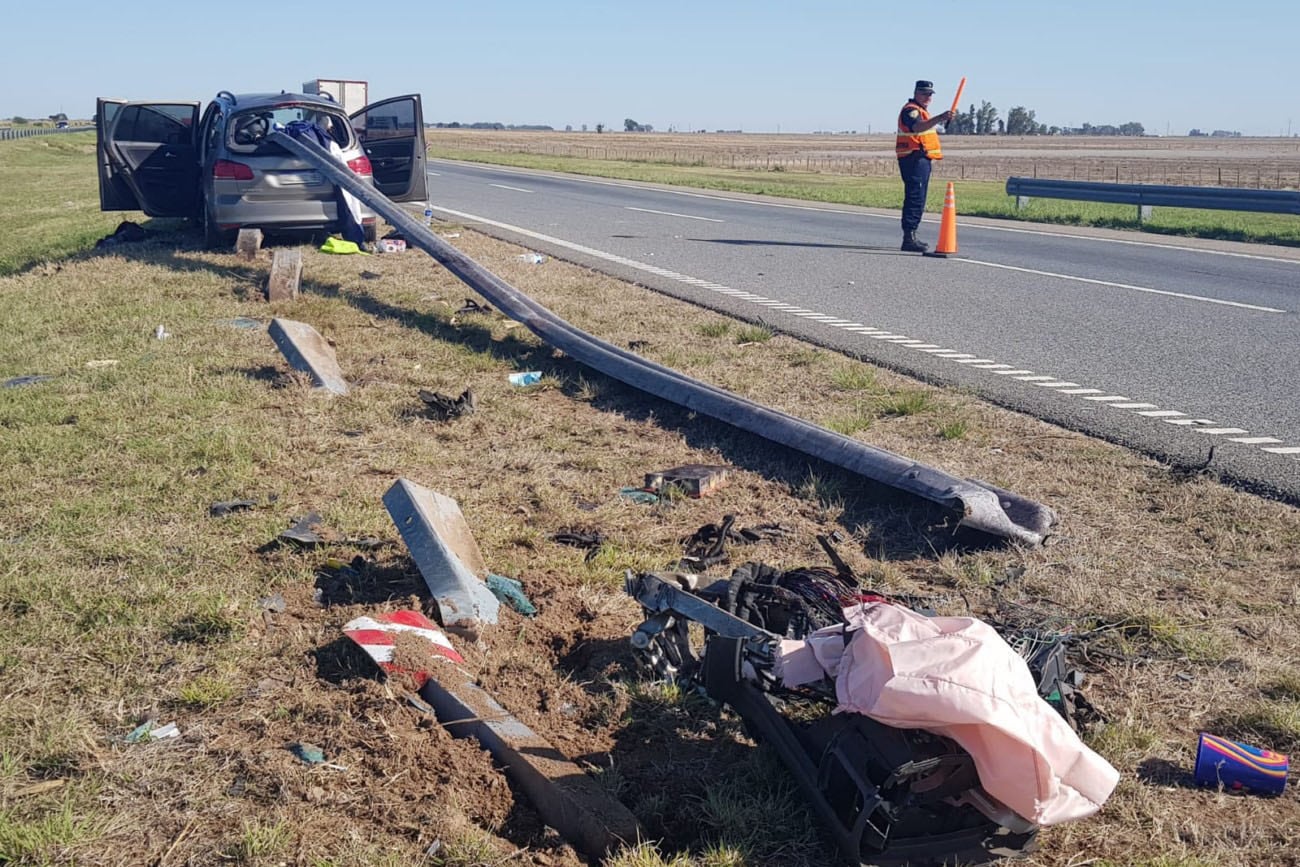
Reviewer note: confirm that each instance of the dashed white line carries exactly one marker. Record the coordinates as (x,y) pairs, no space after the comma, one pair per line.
(505,187)
(1149,410)
(1128,286)
(671,214)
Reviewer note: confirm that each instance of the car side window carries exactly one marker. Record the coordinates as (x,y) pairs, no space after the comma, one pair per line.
(210,129)
(159,124)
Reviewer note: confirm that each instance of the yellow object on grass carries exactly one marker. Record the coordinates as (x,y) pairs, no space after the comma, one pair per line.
(338,245)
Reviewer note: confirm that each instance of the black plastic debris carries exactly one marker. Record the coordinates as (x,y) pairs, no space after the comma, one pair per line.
(126,232)
(707,546)
(220,510)
(20,381)
(445,407)
(472,306)
(303,532)
(578,537)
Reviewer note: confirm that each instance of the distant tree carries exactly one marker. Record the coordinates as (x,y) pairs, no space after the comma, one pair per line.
(600,127)
(58,117)
(1195,132)
(584,127)
(630,125)
(19,120)
(1132,128)
(986,119)
(568,127)
(1020,121)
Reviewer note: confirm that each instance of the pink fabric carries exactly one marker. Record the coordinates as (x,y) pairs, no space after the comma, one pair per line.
(955,676)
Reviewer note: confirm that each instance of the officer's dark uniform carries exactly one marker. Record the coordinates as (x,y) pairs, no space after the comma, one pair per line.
(915,152)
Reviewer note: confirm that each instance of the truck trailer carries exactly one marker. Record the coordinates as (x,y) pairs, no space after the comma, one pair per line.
(350,94)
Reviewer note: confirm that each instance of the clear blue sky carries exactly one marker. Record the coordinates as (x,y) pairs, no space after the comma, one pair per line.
(759,66)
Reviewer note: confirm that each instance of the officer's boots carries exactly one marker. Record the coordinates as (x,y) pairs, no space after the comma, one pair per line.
(911,245)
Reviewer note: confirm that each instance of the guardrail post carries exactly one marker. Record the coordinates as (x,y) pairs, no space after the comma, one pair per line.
(1144,212)
(1021,201)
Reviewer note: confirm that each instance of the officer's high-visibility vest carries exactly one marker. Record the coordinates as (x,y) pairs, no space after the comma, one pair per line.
(907,142)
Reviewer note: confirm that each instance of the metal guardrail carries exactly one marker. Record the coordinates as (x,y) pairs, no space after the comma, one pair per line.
(978,504)
(15,132)
(1147,196)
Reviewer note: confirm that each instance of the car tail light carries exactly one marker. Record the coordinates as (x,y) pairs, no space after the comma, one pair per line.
(226,170)
(361,166)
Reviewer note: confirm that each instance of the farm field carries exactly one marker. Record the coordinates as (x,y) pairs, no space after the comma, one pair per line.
(124,598)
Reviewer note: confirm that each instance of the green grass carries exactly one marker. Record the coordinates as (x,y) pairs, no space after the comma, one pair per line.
(51,200)
(38,839)
(974,198)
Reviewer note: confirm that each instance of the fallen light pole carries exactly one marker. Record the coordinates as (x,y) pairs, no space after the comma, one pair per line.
(980,505)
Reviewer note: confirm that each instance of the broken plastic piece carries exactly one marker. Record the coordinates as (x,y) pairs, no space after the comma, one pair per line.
(693,480)
(149,730)
(302,534)
(220,510)
(30,379)
(531,377)
(532,258)
(511,592)
(639,495)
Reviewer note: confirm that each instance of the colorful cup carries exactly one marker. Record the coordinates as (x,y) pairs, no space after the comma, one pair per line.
(1237,767)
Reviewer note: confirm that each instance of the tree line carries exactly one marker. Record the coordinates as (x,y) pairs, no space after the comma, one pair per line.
(1021,121)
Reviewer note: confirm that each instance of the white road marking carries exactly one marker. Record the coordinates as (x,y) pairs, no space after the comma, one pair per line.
(1128,286)
(504,187)
(1168,416)
(671,214)
(976,227)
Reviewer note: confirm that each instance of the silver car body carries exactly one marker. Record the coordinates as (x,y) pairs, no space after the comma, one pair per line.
(165,159)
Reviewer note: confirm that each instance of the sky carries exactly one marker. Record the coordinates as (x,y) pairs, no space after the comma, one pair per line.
(757,66)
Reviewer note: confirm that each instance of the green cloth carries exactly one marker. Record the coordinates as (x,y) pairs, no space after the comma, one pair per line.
(338,245)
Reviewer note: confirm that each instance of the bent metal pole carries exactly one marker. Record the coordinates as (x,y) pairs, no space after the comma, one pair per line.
(979,505)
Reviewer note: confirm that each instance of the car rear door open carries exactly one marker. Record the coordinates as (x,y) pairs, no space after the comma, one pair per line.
(392,133)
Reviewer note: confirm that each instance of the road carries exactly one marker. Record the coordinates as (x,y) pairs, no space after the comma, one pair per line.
(1186,350)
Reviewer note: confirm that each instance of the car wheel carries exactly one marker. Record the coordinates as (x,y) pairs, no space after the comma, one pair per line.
(213,238)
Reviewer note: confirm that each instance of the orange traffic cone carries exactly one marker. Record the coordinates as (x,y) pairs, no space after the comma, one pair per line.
(947,225)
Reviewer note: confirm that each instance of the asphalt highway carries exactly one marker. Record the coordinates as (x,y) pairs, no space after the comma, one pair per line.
(1183,349)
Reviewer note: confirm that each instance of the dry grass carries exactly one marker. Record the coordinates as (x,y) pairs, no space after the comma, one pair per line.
(120,598)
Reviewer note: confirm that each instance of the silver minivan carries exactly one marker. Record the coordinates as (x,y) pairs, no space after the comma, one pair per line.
(221,170)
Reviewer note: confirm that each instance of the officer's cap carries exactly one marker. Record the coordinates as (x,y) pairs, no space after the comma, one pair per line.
(925,87)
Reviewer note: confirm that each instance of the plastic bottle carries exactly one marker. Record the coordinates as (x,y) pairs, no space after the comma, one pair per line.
(428,215)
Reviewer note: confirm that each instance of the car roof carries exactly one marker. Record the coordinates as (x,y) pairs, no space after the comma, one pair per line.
(242,101)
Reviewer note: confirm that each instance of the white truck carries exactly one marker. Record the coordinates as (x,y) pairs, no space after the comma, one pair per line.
(347,93)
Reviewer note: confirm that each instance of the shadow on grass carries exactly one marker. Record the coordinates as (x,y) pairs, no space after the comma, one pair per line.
(890,524)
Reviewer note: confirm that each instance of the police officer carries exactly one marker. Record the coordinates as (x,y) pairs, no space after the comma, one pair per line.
(917,144)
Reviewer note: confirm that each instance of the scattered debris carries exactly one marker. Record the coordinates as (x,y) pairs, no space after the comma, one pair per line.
(532,258)
(305,349)
(639,495)
(530,377)
(378,636)
(579,537)
(693,480)
(370,275)
(444,407)
(1237,767)
(451,235)
(247,243)
(149,730)
(30,379)
(391,245)
(707,546)
(472,306)
(161,333)
(636,345)
(286,276)
(243,322)
(311,754)
(511,592)
(338,245)
(40,788)
(274,603)
(126,232)
(444,550)
(99,363)
(303,532)
(220,510)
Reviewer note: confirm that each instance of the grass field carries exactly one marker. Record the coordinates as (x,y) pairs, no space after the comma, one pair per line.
(122,599)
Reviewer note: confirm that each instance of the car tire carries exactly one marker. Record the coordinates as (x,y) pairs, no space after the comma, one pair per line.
(370,232)
(213,238)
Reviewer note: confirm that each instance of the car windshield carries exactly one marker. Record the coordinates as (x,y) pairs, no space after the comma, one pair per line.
(249,129)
